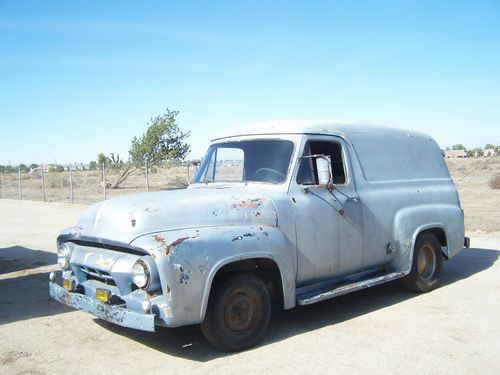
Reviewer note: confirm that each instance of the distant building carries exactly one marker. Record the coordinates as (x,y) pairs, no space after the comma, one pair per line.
(489,152)
(453,154)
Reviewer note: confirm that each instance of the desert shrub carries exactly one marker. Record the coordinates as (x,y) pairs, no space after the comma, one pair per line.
(495,182)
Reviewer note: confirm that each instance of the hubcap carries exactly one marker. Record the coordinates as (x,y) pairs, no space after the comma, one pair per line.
(426,262)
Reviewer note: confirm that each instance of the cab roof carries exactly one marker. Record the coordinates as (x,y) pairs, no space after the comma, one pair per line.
(326,127)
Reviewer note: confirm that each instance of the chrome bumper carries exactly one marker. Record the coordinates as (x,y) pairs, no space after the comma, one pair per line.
(110,313)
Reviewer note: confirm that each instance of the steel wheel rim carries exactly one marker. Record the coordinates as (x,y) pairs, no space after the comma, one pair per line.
(241,312)
(426,262)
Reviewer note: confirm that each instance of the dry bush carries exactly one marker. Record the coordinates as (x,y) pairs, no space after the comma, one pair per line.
(495,182)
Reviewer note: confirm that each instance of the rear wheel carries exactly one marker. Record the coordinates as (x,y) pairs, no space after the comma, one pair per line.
(427,265)
(238,313)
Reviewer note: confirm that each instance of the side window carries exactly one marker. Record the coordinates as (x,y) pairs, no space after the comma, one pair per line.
(308,175)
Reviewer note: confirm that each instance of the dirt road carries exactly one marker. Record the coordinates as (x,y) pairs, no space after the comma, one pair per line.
(455,329)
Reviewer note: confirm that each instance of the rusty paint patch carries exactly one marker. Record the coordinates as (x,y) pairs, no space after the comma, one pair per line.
(250,203)
(159,238)
(178,241)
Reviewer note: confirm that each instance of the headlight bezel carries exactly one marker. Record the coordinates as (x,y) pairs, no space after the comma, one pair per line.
(141,269)
(63,256)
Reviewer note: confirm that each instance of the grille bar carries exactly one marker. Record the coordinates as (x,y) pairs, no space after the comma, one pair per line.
(95,274)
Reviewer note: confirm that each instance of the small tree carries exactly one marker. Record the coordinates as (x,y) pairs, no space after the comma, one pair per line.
(458,147)
(93,165)
(101,160)
(163,141)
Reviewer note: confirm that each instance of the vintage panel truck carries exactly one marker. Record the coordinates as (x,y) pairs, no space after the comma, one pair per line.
(295,211)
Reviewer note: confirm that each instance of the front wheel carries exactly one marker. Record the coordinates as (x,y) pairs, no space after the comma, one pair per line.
(238,313)
(426,266)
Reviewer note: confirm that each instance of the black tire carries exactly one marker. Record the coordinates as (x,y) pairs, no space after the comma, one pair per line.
(427,265)
(238,313)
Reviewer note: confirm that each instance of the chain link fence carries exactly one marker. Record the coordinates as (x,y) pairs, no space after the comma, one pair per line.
(477,181)
(478,184)
(75,184)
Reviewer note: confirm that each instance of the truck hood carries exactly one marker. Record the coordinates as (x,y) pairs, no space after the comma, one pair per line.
(125,218)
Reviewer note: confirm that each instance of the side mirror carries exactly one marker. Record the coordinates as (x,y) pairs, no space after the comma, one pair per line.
(324,168)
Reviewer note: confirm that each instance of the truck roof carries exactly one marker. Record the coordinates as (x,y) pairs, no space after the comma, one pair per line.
(327,127)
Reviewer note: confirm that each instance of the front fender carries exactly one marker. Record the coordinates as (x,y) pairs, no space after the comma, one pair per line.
(188,261)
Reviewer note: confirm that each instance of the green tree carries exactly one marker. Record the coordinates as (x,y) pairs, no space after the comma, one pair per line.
(489,145)
(458,147)
(163,141)
(33,166)
(93,165)
(101,160)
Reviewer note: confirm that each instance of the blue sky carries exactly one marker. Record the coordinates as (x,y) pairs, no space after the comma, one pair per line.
(78,78)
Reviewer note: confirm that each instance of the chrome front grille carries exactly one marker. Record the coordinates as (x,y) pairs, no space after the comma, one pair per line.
(95,274)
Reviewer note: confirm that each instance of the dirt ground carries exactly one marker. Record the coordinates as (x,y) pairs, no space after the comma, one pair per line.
(455,329)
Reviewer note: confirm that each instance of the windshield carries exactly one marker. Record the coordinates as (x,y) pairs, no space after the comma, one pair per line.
(246,161)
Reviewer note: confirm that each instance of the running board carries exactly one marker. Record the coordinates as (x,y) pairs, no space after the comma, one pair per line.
(319,295)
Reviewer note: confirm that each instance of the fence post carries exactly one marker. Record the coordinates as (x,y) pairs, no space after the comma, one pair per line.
(71,184)
(19,182)
(43,184)
(147,177)
(104,179)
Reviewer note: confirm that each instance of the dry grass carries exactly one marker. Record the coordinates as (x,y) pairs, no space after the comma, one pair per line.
(480,202)
(88,185)
(477,180)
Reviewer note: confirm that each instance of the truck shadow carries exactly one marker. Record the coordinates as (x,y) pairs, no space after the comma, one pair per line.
(25,294)
(18,258)
(188,342)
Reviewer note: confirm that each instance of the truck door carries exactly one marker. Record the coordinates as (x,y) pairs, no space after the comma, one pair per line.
(328,223)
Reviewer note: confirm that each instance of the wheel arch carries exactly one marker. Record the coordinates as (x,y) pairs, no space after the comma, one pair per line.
(438,230)
(263,263)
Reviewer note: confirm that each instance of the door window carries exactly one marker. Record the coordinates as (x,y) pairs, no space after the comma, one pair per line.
(308,174)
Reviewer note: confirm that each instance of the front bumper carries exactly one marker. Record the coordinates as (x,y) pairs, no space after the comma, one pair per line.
(110,313)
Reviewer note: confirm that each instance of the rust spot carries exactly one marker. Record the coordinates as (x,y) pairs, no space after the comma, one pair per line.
(159,238)
(257,214)
(250,203)
(178,241)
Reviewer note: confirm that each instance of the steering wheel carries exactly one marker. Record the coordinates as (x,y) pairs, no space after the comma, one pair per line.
(273,173)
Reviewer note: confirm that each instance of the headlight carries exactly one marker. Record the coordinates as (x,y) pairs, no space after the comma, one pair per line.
(63,255)
(141,275)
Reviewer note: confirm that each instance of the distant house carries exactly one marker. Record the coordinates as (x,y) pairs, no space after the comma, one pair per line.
(453,154)
(489,152)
